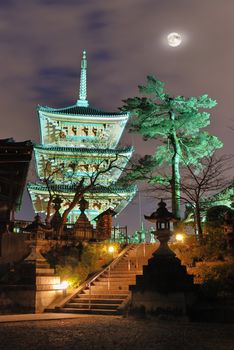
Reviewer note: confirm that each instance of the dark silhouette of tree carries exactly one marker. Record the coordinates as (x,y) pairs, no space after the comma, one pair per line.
(199,183)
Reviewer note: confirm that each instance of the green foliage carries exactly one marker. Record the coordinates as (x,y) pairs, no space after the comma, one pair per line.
(218,280)
(75,265)
(212,248)
(177,123)
(152,114)
(215,217)
(214,264)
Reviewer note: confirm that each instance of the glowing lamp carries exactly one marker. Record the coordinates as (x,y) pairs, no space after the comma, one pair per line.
(64,285)
(179,237)
(111,249)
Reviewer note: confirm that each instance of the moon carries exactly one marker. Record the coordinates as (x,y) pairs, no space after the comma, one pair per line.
(174,39)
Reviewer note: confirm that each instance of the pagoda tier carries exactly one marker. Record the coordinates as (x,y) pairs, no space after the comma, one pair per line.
(79,142)
(100,198)
(71,164)
(81,126)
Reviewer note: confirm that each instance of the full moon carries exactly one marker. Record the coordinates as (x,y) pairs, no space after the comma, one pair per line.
(174,39)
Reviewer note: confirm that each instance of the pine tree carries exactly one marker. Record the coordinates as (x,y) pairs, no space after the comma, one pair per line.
(177,123)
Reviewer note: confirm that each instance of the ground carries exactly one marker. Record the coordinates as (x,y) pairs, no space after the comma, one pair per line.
(112,333)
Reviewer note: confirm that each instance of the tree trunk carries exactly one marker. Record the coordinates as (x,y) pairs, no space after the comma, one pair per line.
(62,224)
(198,221)
(175,181)
(48,212)
(72,205)
(176,185)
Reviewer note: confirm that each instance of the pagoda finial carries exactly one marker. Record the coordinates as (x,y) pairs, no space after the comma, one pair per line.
(82,102)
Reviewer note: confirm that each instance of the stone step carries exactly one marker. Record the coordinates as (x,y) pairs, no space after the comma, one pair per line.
(121,279)
(48,279)
(109,291)
(117,274)
(124,271)
(105,296)
(40,270)
(130,273)
(42,274)
(97,300)
(112,288)
(91,305)
(113,282)
(99,291)
(88,311)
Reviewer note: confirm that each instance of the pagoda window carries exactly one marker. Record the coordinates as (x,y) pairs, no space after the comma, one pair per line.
(84,167)
(85,130)
(94,130)
(65,129)
(74,130)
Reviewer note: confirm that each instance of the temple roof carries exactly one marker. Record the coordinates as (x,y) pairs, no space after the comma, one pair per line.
(81,111)
(84,150)
(10,142)
(14,164)
(71,188)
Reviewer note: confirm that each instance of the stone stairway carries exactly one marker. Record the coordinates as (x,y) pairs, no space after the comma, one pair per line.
(108,292)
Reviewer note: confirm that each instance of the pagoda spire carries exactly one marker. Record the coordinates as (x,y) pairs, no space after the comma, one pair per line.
(83,102)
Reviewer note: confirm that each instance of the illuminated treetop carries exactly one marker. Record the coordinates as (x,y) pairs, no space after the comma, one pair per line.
(177,123)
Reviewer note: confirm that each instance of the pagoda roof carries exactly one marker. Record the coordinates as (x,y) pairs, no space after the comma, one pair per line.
(81,111)
(71,188)
(84,150)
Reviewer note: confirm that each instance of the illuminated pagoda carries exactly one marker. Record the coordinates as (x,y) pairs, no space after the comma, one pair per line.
(76,139)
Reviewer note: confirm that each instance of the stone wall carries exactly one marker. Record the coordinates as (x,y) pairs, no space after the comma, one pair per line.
(13,248)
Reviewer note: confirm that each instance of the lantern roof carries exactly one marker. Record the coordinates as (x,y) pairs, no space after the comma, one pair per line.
(161,214)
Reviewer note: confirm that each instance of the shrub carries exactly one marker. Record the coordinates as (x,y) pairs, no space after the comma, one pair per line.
(218,280)
(75,264)
(213,247)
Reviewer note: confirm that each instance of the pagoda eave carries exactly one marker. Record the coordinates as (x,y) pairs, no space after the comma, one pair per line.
(100,199)
(84,151)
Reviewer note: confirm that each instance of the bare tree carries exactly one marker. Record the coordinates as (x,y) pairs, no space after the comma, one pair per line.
(80,185)
(48,180)
(201,182)
(198,183)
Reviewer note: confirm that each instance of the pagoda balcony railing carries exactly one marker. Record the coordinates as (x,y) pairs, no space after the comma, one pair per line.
(118,233)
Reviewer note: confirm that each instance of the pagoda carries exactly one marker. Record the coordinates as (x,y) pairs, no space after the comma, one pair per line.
(75,140)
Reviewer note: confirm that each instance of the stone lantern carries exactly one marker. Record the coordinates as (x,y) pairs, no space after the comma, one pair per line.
(162,218)
(164,288)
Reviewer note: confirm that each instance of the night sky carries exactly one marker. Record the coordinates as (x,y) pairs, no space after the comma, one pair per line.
(41,42)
